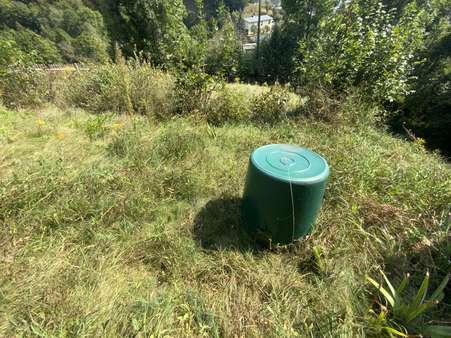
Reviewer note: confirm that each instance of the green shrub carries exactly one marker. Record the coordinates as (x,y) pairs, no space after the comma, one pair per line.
(100,89)
(350,107)
(150,90)
(272,106)
(12,55)
(228,105)
(192,92)
(133,87)
(23,86)
(95,127)
(366,46)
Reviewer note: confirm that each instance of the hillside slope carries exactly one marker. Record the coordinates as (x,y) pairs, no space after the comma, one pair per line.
(120,226)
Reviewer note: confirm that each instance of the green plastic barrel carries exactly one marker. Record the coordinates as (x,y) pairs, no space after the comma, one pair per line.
(284,190)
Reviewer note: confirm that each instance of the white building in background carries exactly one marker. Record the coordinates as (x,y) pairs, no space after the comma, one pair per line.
(266,25)
(249,47)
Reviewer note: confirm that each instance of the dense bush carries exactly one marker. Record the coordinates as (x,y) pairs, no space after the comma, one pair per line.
(350,108)
(228,105)
(427,111)
(58,31)
(11,55)
(192,92)
(271,106)
(301,20)
(224,48)
(366,46)
(101,89)
(153,26)
(133,87)
(27,41)
(23,86)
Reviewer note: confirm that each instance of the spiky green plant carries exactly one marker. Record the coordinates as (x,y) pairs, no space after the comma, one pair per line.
(404,315)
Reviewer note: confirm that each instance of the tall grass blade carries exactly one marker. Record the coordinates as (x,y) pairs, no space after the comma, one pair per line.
(437,331)
(390,286)
(402,286)
(421,295)
(382,290)
(415,312)
(395,332)
(438,293)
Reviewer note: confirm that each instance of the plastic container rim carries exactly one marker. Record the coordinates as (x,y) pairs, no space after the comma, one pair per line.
(312,180)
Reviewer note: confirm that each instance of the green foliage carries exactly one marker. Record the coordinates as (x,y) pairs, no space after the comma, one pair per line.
(271,106)
(22,86)
(277,54)
(352,108)
(132,87)
(68,31)
(224,48)
(154,27)
(11,55)
(194,48)
(300,22)
(45,51)
(104,89)
(213,6)
(228,106)
(192,92)
(407,314)
(427,111)
(364,46)
(305,16)
(96,126)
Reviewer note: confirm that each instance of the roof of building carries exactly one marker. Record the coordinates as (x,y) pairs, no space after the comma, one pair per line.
(253,19)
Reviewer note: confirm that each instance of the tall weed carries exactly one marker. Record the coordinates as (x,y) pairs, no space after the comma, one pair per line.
(133,87)
(228,105)
(350,108)
(193,91)
(272,106)
(24,87)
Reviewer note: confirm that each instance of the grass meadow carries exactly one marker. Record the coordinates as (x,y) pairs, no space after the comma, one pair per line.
(119,225)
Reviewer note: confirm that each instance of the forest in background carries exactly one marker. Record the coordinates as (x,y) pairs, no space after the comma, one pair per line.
(394,53)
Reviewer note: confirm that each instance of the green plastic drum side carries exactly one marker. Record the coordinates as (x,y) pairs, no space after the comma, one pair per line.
(267,201)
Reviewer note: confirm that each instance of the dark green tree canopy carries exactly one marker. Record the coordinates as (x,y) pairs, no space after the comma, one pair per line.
(60,31)
(155,27)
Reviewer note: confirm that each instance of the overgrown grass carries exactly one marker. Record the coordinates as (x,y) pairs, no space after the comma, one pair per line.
(135,87)
(116,225)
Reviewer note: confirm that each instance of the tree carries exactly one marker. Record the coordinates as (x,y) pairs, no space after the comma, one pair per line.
(212,6)
(155,27)
(364,46)
(55,29)
(304,16)
(28,41)
(300,22)
(276,64)
(224,47)
(427,111)
(12,55)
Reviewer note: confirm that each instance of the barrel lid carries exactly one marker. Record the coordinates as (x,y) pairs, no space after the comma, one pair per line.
(290,163)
